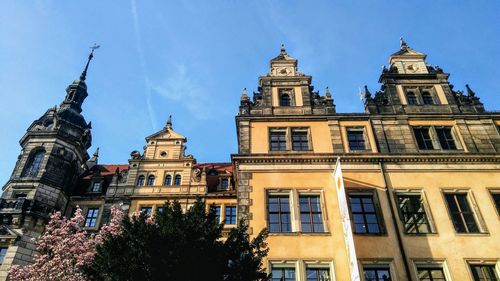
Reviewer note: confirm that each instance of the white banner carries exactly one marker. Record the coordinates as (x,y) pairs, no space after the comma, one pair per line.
(346,222)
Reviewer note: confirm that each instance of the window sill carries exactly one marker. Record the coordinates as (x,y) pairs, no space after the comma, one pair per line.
(372,234)
(421,234)
(290,151)
(478,234)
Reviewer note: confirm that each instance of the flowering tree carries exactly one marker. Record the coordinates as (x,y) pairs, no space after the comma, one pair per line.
(65,248)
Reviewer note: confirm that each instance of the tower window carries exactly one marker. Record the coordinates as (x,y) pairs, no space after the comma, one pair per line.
(277,140)
(140,180)
(411,98)
(423,137)
(356,138)
(445,138)
(300,140)
(91,218)
(427,98)
(151,180)
(168,180)
(177,180)
(33,165)
(285,100)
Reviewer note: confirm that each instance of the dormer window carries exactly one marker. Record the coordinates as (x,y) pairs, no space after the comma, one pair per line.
(224,184)
(151,180)
(96,186)
(411,98)
(285,100)
(427,98)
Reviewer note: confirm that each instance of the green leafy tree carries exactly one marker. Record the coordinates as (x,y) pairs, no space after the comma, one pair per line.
(180,246)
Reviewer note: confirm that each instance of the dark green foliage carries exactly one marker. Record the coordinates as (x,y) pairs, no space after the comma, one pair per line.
(180,246)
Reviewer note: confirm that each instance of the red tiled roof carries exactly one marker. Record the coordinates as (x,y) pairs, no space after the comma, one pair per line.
(107,169)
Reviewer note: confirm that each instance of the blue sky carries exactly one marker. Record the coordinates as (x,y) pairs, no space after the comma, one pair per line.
(192,58)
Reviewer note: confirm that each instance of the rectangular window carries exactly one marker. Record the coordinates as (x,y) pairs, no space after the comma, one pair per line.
(91,218)
(364,215)
(3,252)
(461,213)
(310,213)
(230,214)
(377,273)
(283,274)
(300,140)
(430,274)
(356,138)
(96,187)
(147,210)
(413,213)
(445,138)
(278,207)
(423,137)
(277,139)
(159,210)
(484,272)
(317,274)
(217,212)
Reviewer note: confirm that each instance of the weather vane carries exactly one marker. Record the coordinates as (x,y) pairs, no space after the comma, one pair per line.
(91,55)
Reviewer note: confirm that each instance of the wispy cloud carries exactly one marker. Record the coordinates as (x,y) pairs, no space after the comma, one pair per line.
(147,81)
(181,88)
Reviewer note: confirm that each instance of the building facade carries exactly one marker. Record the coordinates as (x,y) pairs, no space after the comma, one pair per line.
(420,168)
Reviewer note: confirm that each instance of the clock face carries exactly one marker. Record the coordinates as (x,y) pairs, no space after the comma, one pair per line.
(284,71)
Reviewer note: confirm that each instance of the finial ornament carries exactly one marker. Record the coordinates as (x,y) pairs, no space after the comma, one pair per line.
(169,122)
(403,43)
(96,153)
(83,76)
(244,95)
(283,51)
(327,92)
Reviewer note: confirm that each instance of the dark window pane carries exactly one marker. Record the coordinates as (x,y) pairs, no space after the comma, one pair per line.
(356,139)
(277,140)
(317,274)
(151,180)
(168,180)
(411,98)
(427,98)
(33,164)
(91,218)
(423,137)
(310,217)
(461,213)
(445,138)
(364,215)
(430,274)
(230,214)
(140,181)
(300,140)
(377,273)
(177,180)
(278,209)
(496,198)
(285,100)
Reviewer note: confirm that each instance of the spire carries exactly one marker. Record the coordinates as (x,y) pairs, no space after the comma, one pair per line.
(96,153)
(169,122)
(83,76)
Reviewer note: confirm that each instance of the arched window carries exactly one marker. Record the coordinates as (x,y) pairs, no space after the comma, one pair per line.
(427,98)
(177,180)
(411,98)
(168,180)
(151,180)
(285,100)
(140,181)
(33,164)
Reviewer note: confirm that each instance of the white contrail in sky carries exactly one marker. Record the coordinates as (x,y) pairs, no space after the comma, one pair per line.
(142,61)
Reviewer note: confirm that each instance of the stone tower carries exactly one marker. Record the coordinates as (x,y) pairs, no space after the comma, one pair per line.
(53,156)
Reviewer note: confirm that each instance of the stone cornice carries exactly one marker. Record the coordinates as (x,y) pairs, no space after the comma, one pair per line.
(373,158)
